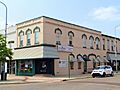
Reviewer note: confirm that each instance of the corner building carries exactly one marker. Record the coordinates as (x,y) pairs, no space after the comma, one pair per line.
(50,46)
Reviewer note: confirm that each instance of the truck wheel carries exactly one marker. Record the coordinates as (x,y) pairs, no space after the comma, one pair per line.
(104,74)
(93,76)
(112,74)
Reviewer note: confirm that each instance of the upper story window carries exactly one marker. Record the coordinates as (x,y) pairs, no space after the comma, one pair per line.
(28,34)
(97,40)
(84,40)
(70,35)
(21,38)
(58,33)
(103,44)
(36,35)
(91,42)
(108,45)
(116,47)
(112,45)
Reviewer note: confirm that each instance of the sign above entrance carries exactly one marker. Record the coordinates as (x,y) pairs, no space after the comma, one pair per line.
(65,48)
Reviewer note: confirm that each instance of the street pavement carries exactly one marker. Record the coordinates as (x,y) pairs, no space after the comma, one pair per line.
(85,82)
(12,79)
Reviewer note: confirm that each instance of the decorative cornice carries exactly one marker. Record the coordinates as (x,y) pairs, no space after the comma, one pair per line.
(49,45)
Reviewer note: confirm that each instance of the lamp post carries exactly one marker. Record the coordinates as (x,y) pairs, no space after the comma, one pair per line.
(116,46)
(69,66)
(4,78)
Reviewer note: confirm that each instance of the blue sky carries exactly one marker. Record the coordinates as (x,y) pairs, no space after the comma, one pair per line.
(101,15)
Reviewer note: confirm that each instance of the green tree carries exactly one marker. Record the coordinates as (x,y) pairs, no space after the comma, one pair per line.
(4,51)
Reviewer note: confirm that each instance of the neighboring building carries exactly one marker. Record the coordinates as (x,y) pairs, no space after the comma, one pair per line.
(11,42)
(111,46)
(45,46)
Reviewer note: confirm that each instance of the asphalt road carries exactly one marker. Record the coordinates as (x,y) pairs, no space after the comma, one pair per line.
(108,83)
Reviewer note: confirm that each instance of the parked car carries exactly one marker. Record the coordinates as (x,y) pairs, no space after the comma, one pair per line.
(102,71)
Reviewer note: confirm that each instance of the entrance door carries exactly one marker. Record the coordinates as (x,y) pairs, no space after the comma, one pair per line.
(44,66)
(85,66)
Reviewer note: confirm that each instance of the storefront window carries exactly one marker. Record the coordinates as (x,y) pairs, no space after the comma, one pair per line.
(25,66)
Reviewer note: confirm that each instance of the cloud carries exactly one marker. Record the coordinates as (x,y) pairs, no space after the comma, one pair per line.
(106,13)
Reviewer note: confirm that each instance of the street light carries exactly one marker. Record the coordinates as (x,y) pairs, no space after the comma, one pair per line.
(116,46)
(5,37)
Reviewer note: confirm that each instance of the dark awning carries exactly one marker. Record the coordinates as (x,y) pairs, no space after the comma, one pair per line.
(113,57)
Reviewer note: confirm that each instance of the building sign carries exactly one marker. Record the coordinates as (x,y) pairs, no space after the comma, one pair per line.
(65,48)
(62,63)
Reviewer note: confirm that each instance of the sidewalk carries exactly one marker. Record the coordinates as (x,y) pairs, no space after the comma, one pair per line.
(12,79)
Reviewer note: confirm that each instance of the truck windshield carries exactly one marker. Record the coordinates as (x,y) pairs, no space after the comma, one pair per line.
(100,68)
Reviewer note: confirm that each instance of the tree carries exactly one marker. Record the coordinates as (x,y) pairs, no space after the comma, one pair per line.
(4,51)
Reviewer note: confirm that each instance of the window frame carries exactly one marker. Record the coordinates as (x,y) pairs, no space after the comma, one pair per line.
(70,37)
(91,38)
(28,37)
(84,41)
(58,33)
(97,43)
(36,39)
(21,38)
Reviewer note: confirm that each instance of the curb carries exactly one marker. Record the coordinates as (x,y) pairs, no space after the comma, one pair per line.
(76,78)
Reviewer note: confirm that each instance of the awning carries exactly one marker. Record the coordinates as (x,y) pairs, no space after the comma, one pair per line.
(35,52)
(94,60)
(105,60)
(113,57)
(72,59)
(100,59)
(80,59)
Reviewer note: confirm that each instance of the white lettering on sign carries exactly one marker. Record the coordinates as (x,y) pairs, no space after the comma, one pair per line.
(65,48)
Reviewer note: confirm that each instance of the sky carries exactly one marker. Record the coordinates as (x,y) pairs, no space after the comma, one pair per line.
(100,15)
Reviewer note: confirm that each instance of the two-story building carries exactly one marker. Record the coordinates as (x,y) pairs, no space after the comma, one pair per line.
(49,46)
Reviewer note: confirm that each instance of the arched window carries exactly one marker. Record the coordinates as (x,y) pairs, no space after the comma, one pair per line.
(58,33)
(91,42)
(108,45)
(21,38)
(36,35)
(70,35)
(97,40)
(28,34)
(103,44)
(71,61)
(112,45)
(84,40)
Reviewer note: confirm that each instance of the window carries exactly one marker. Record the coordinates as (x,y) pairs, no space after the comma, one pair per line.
(112,45)
(25,66)
(84,40)
(21,38)
(116,46)
(28,33)
(58,33)
(91,42)
(70,35)
(71,62)
(108,45)
(97,43)
(79,65)
(103,44)
(36,35)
